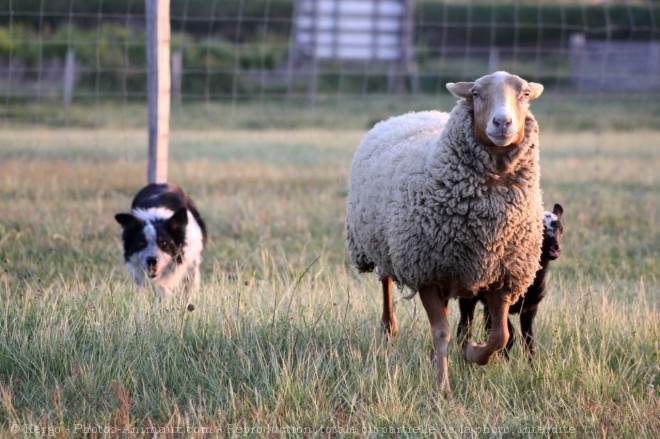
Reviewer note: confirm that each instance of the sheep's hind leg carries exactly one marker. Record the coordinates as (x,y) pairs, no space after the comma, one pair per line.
(498,310)
(388,319)
(437,310)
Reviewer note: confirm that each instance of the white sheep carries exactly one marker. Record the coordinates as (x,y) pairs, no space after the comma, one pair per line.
(448,205)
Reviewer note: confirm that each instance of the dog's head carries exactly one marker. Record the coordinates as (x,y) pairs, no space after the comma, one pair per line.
(151,244)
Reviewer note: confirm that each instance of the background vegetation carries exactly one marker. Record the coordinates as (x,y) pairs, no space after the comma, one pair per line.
(222,42)
(284,337)
(239,20)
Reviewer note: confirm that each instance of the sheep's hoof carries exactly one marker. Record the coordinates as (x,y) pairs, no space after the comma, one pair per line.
(442,390)
(442,393)
(462,341)
(474,353)
(389,327)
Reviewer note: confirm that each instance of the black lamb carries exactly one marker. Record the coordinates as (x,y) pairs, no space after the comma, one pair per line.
(527,305)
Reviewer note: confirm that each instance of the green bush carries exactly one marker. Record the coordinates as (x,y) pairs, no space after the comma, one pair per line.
(220,41)
(230,19)
(112,57)
(509,25)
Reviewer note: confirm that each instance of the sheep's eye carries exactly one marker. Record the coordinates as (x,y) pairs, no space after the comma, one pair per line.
(526,93)
(474,94)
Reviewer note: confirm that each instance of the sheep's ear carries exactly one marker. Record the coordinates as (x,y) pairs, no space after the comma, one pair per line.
(461,89)
(558,210)
(535,90)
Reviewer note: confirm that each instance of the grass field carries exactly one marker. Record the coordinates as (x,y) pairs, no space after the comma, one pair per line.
(285,336)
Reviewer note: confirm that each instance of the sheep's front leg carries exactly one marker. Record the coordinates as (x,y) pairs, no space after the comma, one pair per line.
(388,319)
(437,310)
(498,311)
(512,333)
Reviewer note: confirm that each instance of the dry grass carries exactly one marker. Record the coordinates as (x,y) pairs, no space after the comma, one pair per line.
(285,336)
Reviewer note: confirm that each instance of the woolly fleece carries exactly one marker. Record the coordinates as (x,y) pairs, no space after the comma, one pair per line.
(428,204)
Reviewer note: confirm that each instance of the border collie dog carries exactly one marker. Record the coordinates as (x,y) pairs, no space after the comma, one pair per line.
(164,237)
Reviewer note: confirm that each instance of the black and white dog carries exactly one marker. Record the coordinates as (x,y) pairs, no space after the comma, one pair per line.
(164,237)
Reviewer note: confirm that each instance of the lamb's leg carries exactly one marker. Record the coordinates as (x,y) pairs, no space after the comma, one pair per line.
(487,324)
(437,310)
(526,322)
(512,337)
(464,332)
(498,310)
(388,319)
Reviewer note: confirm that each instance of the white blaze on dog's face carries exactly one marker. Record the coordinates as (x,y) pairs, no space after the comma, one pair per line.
(501,103)
(151,260)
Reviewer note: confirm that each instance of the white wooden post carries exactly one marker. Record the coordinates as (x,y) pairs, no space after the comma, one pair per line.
(158,87)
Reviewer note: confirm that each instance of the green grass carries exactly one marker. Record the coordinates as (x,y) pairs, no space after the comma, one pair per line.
(286,334)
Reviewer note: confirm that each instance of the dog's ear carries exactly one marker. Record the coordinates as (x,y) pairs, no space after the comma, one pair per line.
(127,220)
(558,210)
(179,220)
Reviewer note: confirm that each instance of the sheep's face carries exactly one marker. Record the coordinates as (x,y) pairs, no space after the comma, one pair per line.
(501,103)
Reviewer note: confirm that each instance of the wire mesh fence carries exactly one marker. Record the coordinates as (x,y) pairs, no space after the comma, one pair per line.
(249,59)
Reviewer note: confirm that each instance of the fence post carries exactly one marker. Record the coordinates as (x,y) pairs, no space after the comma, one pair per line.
(177,76)
(408,44)
(493,59)
(69,76)
(158,87)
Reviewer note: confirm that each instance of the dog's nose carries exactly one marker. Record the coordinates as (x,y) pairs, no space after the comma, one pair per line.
(151,261)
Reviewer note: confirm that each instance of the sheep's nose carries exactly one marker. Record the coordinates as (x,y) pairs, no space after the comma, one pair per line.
(151,262)
(503,122)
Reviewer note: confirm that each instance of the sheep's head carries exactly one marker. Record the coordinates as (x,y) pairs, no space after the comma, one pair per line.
(501,103)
